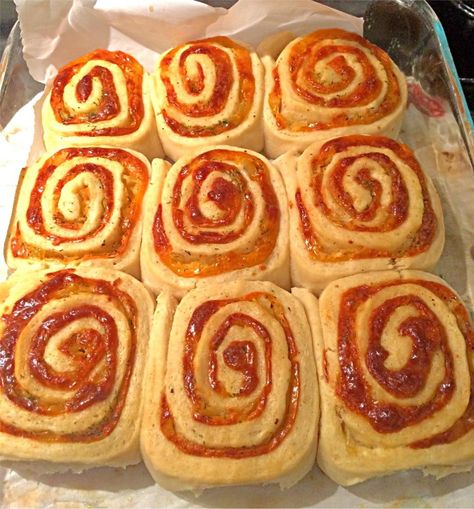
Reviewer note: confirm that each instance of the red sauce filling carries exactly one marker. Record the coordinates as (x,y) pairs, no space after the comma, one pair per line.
(109,105)
(307,85)
(242,356)
(34,214)
(427,335)
(229,196)
(239,356)
(395,213)
(135,179)
(194,85)
(202,411)
(87,348)
(232,196)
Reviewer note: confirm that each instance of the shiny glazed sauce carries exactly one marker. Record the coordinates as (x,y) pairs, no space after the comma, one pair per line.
(135,179)
(87,348)
(396,212)
(231,197)
(428,336)
(329,45)
(216,417)
(109,104)
(240,356)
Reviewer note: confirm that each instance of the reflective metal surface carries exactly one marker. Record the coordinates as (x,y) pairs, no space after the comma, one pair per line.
(17,87)
(8,18)
(465,6)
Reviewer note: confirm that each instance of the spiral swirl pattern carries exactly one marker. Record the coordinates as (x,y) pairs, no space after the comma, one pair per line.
(332,82)
(209,88)
(218,212)
(80,204)
(220,405)
(99,94)
(237,376)
(69,350)
(398,354)
(406,308)
(362,203)
(102,98)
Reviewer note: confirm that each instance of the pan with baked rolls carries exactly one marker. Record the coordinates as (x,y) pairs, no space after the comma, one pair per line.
(224,385)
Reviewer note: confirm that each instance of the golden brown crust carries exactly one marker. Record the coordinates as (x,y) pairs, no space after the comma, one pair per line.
(216,215)
(74,344)
(411,410)
(224,444)
(79,205)
(359,203)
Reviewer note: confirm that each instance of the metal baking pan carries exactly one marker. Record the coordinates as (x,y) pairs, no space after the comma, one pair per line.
(411,33)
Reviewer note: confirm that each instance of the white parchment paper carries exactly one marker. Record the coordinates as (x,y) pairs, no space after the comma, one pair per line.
(55,32)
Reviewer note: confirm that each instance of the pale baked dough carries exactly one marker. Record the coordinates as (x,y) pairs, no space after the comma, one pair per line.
(132,312)
(296,108)
(248,131)
(341,250)
(199,257)
(57,134)
(350,448)
(174,468)
(95,184)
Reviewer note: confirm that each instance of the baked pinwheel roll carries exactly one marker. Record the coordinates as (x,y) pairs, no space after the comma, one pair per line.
(231,393)
(80,205)
(359,203)
(214,216)
(209,92)
(72,347)
(330,83)
(396,373)
(102,98)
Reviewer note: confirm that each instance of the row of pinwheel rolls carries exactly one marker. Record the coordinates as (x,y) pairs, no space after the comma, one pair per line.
(358,203)
(228,386)
(215,91)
